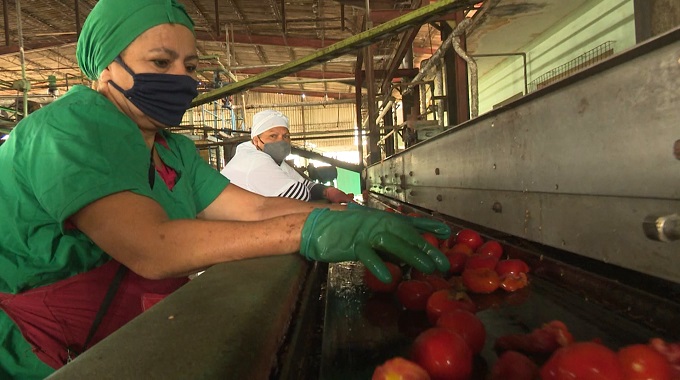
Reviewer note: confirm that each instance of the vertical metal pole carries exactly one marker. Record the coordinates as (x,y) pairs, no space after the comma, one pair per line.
(357,95)
(77,9)
(304,127)
(22,57)
(439,92)
(5,17)
(342,17)
(283,16)
(217,17)
(373,131)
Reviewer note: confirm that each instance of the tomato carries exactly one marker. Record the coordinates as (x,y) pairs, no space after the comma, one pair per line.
(483,281)
(512,365)
(467,325)
(443,353)
(376,285)
(583,361)
(456,283)
(415,274)
(671,351)
(478,262)
(470,238)
(641,362)
(430,238)
(504,267)
(438,282)
(446,300)
(514,281)
(491,248)
(457,262)
(462,248)
(543,340)
(413,294)
(400,369)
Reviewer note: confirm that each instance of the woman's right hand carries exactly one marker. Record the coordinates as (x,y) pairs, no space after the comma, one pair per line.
(335,236)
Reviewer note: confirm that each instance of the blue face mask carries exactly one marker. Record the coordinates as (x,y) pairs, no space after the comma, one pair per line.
(163,97)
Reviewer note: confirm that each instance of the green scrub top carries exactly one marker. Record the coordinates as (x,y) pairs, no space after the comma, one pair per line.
(64,156)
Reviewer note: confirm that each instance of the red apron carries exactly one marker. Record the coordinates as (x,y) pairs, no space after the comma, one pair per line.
(54,317)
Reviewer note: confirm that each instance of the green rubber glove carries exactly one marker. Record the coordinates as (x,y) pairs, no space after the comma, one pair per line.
(439,229)
(335,236)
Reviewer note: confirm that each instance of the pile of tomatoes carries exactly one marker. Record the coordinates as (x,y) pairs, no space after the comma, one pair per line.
(446,343)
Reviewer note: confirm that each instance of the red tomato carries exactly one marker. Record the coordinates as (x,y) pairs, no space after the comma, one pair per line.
(671,351)
(641,362)
(483,281)
(470,238)
(376,285)
(438,282)
(504,267)
(446,300)
(478,262)
(430,238)
(491,248)
(514,281)
(543,340)
(457,262)
(467,325)
(582,361)
(415,274)
(462,248)
(443,353)
(512,365)
(413,294)
(400,369)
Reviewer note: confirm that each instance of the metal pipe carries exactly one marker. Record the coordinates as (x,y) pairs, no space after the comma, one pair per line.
(5,17)
(25,84)
(431,62)
(472,66)
(271,65)
(294,104)
(439,93)
(77,11)
(283,16)
(301,81)
(228,45)
(342,17)
(217,17)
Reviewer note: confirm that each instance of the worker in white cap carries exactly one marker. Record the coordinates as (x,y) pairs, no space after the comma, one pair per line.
(258,165)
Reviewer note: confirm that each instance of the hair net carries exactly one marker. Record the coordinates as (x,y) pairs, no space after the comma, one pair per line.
(114,24)
(266,120)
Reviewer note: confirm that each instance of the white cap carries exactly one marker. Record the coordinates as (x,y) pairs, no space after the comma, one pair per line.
(266,120)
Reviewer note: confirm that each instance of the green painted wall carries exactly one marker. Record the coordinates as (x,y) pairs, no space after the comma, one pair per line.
(595,23)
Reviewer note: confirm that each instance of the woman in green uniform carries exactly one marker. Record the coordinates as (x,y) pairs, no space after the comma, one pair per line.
(102,208)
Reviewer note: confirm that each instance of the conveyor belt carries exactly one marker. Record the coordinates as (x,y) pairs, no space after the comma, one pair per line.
(362,329)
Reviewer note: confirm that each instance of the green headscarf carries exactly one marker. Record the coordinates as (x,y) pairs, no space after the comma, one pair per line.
(114,24)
